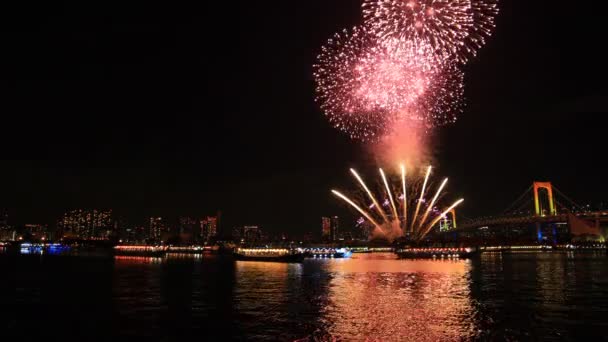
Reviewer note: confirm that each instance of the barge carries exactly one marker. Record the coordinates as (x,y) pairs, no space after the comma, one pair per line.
(140,250)
(437,253)
(269,254)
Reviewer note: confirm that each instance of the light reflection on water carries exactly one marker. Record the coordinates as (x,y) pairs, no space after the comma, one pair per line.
(383,299)
(371,297)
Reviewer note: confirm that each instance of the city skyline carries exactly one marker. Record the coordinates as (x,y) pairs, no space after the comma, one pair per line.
(365,170)
(167,143)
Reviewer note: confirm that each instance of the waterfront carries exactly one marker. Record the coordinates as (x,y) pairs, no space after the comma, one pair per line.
(505,296)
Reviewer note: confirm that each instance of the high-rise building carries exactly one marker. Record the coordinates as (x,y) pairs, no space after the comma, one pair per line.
(208,228)
(335,224)
(237,234)
(36,231)
(156,228)
(252,234)
(325,229)
(7,233)
(364,229)
(86,224)
(308,237)
(187,225)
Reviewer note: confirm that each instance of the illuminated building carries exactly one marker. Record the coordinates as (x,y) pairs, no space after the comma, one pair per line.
(86,224)
(157,228)
(252,234)
(445,224)
(335,224)
(326,228)
(308,237)
(237,234)
(187,225)
(189,229)
(365,229)
(36,231)
(208,228)
(7,233)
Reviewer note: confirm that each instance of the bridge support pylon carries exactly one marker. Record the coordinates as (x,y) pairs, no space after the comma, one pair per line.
(547,186)
(453,212)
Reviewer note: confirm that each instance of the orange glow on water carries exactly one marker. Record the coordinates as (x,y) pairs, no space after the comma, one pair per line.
(374,299)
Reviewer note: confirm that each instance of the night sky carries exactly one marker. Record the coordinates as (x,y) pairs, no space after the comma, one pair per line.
(156,108)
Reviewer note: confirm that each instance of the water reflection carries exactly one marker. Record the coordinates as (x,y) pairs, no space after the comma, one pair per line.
(388,299)
(122,260)
(373,297)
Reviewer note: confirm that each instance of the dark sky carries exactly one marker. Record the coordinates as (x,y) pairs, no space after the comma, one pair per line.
(157,108)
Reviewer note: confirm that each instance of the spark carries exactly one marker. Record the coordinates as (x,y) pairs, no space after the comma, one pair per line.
(434,222)
(455,29)
(361,211)
(426,179)
(370,194)
(366,87)
(393,229)
(404,195)
(430,206)
(390,195)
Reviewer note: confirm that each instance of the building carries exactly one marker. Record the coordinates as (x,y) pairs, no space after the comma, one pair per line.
(157,228)
(364,229)
(237,234)
(36,232)
(252,234)
(189,229)
(445,224)
(334,228)
(7,233)
(188,225)
(330,228)
(308,237)
(325,229)
(86,224)
(208,229)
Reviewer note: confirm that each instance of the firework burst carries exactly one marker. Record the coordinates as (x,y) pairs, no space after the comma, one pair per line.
(365,87)
(405,207)
(453,28)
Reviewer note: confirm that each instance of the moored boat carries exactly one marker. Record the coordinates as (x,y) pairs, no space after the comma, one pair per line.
(437,252)
(335,253)
(140,250)
(269,254)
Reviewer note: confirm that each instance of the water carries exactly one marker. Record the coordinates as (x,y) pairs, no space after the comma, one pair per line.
(371,297)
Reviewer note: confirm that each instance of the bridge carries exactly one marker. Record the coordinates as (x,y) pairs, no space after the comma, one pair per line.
(542,206)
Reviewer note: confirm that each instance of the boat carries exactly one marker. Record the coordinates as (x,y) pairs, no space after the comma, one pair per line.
(140,250)
(335,253)
(437,253)
(195,249)
(269,254)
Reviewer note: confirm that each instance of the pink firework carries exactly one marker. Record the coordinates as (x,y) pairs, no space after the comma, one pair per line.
(390,77)
(443,101)
(453,28)
(364,86)
(336,75)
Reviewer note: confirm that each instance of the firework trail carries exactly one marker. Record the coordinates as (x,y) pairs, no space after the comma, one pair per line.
(389,193)
(391,226)
(404,192)
(426,179)
(363,212)
(428,210)
(370,194)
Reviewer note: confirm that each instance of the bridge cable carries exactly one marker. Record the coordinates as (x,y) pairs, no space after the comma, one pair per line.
(528,203)
(518,199)
(576,205)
